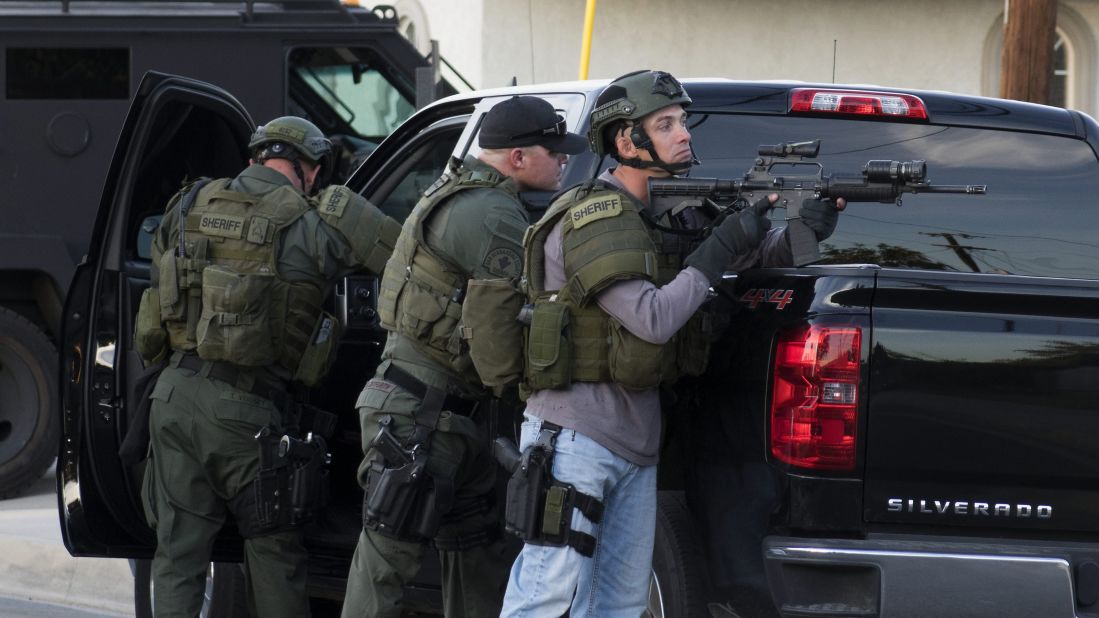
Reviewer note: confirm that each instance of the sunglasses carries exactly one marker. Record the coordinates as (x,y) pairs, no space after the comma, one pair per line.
(559,128)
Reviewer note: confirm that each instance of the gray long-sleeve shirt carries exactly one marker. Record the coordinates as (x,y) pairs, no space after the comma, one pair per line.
(627,422)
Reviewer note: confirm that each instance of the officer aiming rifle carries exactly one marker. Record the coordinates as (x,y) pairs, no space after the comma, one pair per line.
(785,169)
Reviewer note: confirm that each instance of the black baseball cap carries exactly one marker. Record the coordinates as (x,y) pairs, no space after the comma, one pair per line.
(528,121)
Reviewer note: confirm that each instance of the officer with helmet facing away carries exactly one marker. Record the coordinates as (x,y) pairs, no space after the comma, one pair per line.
(615,291)
(240,268)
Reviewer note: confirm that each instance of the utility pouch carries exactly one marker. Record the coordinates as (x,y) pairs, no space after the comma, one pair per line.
(634,362)
(421,311)
(490,324)
(173,304)
(693,344)
(150,336)
(549,346)
(321,351)
(235,324)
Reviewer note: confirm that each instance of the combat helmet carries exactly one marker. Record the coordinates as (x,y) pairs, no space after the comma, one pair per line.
(631,97)
(293,138)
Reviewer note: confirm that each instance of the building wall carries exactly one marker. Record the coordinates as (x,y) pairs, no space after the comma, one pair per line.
(949,45)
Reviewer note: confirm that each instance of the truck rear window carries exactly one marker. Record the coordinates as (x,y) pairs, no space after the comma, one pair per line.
(1038,218)
(67,73)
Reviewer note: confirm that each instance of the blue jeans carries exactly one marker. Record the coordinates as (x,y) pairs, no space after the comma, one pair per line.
(614,581)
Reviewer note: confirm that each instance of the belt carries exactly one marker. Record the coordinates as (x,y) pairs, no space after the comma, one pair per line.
(230,374)
(453,403)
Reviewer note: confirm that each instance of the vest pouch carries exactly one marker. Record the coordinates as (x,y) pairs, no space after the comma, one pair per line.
(235,324)
(634,363)
(150,337)
(693,344)
(320,352)
(417,312)
(173,298)
(549,348)
(491,327)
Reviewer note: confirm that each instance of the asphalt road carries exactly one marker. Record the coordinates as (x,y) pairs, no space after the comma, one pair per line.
(39,578)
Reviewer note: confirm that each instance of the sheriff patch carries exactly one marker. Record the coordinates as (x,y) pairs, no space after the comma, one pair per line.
(594,209)
(227,226)
(335,202)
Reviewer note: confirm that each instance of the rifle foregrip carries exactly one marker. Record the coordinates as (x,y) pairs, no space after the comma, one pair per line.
(862,192)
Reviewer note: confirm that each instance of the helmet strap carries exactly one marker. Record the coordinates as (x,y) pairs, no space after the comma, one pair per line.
(301,174)
(642,141)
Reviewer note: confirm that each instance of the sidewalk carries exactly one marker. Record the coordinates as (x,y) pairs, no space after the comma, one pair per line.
(34,564)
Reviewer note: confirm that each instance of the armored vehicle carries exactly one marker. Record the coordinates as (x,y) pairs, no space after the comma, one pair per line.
(905,428)
(70,70)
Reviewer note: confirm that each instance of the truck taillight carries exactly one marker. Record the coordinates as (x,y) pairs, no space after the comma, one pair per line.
(814,400)
(858,102)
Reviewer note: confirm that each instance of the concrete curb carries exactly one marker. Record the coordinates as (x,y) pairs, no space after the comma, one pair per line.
(35,566)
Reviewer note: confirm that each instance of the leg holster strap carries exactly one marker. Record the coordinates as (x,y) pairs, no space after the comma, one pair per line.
(403,500)
(539,507)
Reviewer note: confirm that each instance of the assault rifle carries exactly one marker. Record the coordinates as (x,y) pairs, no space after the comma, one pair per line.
(786,169)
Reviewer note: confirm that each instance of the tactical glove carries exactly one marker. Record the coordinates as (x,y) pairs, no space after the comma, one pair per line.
(819,216)
(738,234)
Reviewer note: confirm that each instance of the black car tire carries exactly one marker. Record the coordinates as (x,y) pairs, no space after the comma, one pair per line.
(679,585)
(29,418)
(225,596)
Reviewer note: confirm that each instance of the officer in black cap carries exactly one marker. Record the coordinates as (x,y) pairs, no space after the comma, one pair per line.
(428,477)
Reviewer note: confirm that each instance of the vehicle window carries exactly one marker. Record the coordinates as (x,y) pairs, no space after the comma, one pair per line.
(67,73)
(350,84)
(350,94)
(421,164)
(1038,218)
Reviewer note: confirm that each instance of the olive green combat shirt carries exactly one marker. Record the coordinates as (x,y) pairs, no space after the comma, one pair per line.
(309,250)
(479,232)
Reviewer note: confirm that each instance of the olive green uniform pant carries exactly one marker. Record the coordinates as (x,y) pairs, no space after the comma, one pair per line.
(203,453)
(473,579)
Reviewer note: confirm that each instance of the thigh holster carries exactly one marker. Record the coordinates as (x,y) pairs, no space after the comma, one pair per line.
(402,497)
(539,507)
(289,488)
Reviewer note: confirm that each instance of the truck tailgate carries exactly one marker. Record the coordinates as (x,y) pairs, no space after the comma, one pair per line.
(983,402)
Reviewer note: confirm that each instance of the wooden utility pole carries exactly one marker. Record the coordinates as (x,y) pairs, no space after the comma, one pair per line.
(1027,62)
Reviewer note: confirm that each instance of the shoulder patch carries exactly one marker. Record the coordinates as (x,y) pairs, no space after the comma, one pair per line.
(380,385)
(599,207)
(334,201)
(503,262)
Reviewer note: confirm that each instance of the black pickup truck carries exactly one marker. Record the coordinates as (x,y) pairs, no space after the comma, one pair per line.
(903,429)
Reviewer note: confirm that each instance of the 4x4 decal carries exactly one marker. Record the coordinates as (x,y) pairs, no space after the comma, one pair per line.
(755,296)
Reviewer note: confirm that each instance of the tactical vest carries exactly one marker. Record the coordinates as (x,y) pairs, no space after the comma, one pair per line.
(222,296)
(605,238)
(421,292)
